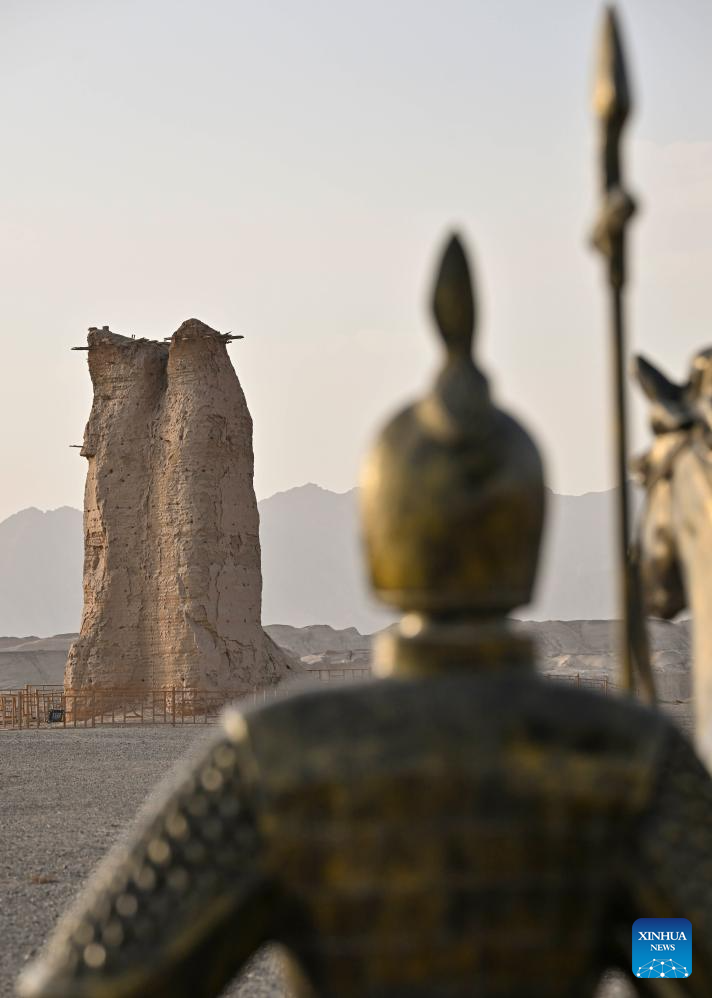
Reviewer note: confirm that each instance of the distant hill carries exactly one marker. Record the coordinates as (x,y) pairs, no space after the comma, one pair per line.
(33,660)
(41,571)
(313,569)
(311,564)
(577,574)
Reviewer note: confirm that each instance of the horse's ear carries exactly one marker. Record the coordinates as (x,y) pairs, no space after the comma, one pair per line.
(656,386)
(670,410)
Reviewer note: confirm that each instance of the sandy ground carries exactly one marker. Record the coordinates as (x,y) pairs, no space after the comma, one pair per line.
(66,795)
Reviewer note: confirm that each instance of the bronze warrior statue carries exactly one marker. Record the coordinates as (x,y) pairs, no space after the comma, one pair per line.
(457,826)
(676,525)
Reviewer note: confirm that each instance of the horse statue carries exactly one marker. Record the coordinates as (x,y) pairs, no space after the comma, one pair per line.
(675,532)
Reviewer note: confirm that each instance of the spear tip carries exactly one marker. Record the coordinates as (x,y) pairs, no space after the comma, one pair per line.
(453,300)
(611,94)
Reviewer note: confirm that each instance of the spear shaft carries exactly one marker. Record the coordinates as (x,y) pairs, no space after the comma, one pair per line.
(621,445)
(612,106)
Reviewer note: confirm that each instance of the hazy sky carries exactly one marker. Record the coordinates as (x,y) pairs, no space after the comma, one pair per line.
(288,170)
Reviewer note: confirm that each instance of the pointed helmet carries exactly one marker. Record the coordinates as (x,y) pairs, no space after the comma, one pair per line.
(452,491)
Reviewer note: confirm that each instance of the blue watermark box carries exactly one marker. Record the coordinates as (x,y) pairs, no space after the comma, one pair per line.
(662,947)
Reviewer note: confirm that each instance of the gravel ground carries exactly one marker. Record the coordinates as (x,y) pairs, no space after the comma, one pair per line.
(66,796)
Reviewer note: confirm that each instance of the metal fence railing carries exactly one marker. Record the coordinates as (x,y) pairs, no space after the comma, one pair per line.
(32,707)
(600,683)
(36,707)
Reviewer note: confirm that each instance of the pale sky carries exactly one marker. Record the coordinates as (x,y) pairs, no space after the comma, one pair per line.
(289,170)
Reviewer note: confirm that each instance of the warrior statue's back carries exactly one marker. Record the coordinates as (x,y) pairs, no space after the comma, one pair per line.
(457,826)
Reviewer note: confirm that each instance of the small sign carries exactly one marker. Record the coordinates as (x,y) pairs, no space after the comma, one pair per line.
(55,714)
(662,947)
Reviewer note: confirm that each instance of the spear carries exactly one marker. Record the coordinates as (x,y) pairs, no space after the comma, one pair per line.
(612,103)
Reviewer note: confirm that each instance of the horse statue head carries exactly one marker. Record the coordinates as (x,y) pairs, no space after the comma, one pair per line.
(675,531)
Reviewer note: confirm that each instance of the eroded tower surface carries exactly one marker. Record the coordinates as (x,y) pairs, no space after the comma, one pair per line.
(172,577)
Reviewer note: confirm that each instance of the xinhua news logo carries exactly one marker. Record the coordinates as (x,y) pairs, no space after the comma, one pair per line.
(662,947)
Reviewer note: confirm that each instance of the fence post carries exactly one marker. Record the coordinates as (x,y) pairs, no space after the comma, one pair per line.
(37,695)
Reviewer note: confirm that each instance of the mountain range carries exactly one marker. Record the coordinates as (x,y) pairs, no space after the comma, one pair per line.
(311,564)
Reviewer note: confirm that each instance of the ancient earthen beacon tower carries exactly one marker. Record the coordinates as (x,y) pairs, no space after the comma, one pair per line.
(172,578)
